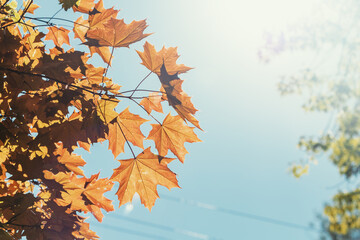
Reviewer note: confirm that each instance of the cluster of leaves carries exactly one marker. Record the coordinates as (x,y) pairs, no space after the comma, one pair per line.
(53,101)
(336,92)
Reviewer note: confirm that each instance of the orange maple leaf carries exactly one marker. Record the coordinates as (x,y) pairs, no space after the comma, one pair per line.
(142,175)
(55,51)
(153,60)
(172,135)
(95,74)
(84,6)
(125,127)
(105,109)
(31,8)
(58,35)
(94,192)
(153,102)
(101,16)
(116,33)
(84,232)
(81,26)
(179,100)
(83,194)
(97,18)
(71,161)
(104,53)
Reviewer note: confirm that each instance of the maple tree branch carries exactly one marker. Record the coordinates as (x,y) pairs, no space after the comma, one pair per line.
(21,16)
(127,141)
(25,10)
(43,21)
(107,67)
(27,27)
(64,83)
(4,3)
(55,18)
(67,85)
(141,90)
(23,225)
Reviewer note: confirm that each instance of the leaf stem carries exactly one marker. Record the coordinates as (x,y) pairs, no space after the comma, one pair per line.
(127,141)
(132,99)
(141,83)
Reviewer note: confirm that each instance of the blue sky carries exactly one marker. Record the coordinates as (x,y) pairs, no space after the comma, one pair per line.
(250,133)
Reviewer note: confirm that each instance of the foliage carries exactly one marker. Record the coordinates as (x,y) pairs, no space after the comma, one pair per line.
(326,233)
(52,100)
(335,91)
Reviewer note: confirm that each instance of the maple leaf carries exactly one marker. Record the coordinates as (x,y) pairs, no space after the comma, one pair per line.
(73,133)
(94,190)
(172,135)
(95,74)
(31,8)
(105,109)
(179,100)
(153,102)
(101,16)
(115,33)
(71,161)
(83,194)
(153,60)
(83,6)
(125,127)
(81,26)
(142,175)
(84,232)
(55,51)
(104,53)
(58,35)
(97,18)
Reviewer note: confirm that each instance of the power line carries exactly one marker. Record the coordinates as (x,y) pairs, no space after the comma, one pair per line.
(129,231)
(239,213)
(187,233)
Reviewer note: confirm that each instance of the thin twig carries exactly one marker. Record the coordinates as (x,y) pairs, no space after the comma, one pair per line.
(64,83)
(141,90)
(141,83)
(60,19)
(145,110)
(52,17)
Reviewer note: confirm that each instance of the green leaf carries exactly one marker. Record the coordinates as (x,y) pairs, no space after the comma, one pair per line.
(66,4)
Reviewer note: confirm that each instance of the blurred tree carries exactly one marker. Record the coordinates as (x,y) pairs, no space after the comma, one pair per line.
(331,84)
(326,234)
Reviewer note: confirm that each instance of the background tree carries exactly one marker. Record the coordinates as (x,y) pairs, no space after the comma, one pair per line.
(53,100)
(331,85)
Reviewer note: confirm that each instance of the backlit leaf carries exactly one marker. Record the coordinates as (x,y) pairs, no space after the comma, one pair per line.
(172,135)
(142,175)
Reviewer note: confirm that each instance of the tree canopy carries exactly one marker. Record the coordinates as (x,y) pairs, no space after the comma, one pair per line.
(54,100)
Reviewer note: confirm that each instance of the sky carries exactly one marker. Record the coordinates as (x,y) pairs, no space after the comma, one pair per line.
(235,184)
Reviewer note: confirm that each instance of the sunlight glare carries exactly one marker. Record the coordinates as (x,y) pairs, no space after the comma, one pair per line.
(239,19)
